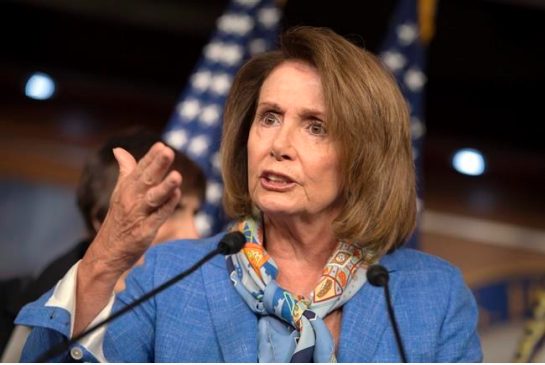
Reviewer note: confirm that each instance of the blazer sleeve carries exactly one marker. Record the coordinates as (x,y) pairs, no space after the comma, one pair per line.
(128,338)
(50,318)
(459,341)
(131,337)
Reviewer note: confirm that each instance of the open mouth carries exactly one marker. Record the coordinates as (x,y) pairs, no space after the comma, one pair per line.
(275,181)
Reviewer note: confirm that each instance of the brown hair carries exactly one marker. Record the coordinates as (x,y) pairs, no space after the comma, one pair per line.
(100,172)
(368,119)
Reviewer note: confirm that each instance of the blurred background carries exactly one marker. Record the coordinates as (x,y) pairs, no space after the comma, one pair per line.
(116,64)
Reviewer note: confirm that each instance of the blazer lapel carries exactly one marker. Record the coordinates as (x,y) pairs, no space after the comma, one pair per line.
(235,324)
(365,318)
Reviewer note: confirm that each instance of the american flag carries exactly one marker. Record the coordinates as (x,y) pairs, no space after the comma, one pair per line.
(246,27)
(403,53)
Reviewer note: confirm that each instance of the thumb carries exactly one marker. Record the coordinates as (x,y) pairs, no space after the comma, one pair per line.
(126,162)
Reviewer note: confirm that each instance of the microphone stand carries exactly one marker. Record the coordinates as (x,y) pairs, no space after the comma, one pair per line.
(393,321)
(378,276)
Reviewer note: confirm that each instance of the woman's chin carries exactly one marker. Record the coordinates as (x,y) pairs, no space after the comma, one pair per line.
(277,208)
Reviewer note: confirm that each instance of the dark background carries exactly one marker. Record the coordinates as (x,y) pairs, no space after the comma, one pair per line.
(121,63)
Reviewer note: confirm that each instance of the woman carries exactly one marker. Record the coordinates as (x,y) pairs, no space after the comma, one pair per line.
(318,174)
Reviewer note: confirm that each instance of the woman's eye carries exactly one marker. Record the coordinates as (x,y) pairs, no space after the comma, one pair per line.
(269,119)
(317,129)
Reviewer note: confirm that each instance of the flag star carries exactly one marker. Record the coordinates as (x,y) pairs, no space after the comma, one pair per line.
(247,3)
(201,80)
(189,109)
(414,79)
(213,51)
(210,114)
(257,45)
(198,145)
(229,54)
(203,223)
(176,138)
(238,24)
(232,54)
(216,161)
(214,192)
(221,84)
(268,17)
(394,60)
(407,33)
(418,128)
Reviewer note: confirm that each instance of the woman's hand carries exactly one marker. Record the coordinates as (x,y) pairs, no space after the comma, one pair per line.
(143,199)
(145,195)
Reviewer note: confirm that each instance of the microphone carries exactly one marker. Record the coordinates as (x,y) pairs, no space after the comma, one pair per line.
(377,275)
(229,244)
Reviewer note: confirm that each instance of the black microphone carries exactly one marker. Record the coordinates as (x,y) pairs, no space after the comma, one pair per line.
(377,275)
(229,244)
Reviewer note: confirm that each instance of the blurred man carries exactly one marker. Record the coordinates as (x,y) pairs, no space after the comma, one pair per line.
(94,190)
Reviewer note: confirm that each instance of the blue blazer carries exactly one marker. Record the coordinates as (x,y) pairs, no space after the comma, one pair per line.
(203,318)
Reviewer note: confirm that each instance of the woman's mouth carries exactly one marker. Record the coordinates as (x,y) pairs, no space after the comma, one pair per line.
(276,182)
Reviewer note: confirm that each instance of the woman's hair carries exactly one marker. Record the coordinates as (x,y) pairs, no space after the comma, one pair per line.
(99,175)
(368,120)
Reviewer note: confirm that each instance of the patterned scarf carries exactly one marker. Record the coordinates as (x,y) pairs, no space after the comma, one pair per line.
(291,327)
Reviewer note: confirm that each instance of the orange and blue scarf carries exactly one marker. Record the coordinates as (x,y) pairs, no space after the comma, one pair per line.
(291,327)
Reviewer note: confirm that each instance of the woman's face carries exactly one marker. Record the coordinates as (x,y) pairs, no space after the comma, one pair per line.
(293,164)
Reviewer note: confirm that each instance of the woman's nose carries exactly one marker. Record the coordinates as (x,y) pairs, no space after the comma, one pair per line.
(282,147)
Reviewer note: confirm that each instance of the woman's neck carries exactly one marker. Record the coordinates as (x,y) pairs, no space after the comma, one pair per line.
(300,249)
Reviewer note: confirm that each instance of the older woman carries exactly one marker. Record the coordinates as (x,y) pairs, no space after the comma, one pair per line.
(319,177)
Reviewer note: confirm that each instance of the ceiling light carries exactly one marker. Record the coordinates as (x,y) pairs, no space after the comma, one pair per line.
(469,161)
(39,86)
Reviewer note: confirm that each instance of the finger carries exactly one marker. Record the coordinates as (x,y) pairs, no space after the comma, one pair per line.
(157,218)
(126,162)
(154,165)
(161,193)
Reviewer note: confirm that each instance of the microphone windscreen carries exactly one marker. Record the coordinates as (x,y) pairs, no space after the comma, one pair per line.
(231,243)
(377,275)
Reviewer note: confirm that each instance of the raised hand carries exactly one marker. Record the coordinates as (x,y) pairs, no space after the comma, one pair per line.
(145,195)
